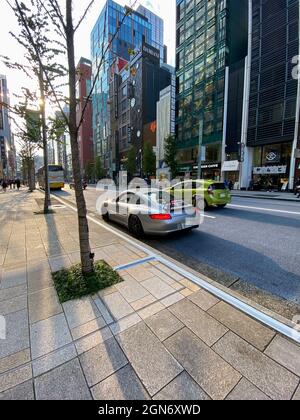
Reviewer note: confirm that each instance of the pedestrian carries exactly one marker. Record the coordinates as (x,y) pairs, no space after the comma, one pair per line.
(18,184)
(4,185)
(230,185)
(297,185)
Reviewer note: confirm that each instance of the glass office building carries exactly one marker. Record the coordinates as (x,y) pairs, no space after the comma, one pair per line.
(135,30)
(157,31)
(211,35)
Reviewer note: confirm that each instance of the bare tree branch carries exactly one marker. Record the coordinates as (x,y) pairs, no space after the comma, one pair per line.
(84,15)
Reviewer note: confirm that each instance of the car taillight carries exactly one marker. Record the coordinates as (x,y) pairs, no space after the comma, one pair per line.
(160,216)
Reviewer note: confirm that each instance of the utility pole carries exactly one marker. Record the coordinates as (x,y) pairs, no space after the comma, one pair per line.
(44,139)
(201,127)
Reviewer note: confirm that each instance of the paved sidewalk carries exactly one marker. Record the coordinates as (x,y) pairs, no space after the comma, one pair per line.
(279,196)
(154,336)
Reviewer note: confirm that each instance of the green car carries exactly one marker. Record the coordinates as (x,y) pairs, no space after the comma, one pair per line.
(215,194)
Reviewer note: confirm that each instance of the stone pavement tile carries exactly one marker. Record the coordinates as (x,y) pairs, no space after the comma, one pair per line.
(204,300)
(93,340)
(23,392)
(246,391)
(81,311)
(169,272)
(124,385)
(190,285)
(177,286)
(49,335)
(203,325)
(108,291)
(88,328)
(2,259)
(43,304)
(117,306)
(12,305)
(163,276)
(297,395)
(158,288)
(15,377)
(66,382)
(286,353)
(53,360)
(58,263)
(103,310)
(151,310)
(186,292)
(125,324)
(13,278)
(6,294)
(250,330)
(151,361)
(182,388)
(131,290)
(275,381)
(140,273)
(141,304)
(17,334)
(171,300)
(164,324)
(14,361)
(102,361)
(39,280)
(216,377)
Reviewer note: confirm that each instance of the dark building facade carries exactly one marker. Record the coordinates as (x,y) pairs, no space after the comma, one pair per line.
(210,64)
(85,135)
(134,93)
(273,123)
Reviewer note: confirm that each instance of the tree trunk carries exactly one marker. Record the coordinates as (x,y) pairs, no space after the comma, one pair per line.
(45,142)
(85,249)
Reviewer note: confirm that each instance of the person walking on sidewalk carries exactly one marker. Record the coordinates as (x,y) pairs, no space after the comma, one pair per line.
(18,184)
(4,185)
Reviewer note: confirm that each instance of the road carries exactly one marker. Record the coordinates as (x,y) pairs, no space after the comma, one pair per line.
(255,241)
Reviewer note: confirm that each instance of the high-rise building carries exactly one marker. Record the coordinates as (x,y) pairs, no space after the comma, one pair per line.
(135,30)
(85,135)
(210,62)
(274,95)
(134,93)
(157,32)
(7,148)
(165,122)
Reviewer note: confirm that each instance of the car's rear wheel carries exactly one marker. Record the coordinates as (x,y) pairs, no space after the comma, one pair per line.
(135,227)
(222,206)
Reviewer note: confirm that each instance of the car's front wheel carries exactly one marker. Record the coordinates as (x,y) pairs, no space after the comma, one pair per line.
(135,227)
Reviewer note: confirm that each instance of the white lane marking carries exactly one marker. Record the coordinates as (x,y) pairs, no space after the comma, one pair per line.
(208,217)
(264,209)
(286,330)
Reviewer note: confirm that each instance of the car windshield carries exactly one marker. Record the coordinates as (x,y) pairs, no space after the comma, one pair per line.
(161,197)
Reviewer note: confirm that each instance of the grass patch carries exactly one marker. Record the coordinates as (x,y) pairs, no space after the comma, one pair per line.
(72,284)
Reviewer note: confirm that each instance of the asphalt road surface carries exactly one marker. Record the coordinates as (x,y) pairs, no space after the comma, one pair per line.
(253,241)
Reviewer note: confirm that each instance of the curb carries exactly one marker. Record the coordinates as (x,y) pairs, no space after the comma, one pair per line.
(288,200)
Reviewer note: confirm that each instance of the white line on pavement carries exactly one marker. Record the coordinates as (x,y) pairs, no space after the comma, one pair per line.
(266,319)
(264,209)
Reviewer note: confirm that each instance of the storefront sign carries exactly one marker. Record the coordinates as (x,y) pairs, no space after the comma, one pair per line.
(231,166)
(204,166)
(273,156)
(270,170)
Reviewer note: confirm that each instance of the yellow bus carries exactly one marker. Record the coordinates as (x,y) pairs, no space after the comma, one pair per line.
(56,177)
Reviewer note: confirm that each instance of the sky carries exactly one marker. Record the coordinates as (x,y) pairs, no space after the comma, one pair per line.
(166,9)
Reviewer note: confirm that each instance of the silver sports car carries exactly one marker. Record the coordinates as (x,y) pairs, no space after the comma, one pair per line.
(150,212)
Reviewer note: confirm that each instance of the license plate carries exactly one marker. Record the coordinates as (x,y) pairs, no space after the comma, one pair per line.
(223,195)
